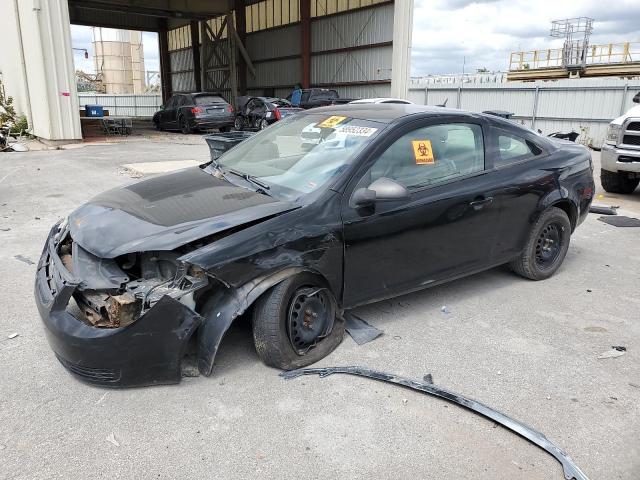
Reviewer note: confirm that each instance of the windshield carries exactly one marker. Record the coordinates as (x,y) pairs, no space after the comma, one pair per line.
(209,99)
(300,154)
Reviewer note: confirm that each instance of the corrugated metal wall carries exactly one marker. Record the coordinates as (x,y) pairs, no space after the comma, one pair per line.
(123,104)
(182,71)
(370,31)
(586,105)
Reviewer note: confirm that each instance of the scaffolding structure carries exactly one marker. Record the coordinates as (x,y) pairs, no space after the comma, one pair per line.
(576,33)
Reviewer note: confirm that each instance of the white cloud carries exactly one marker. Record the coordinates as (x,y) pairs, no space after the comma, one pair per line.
(483,33)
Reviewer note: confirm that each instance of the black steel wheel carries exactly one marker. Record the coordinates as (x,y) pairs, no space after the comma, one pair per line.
(549,244)
(309,318)
(296,323)
(546,246)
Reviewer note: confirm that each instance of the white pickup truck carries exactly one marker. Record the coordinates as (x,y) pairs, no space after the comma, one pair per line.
(620,171)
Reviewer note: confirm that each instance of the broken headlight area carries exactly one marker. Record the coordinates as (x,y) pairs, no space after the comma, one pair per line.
(115,292)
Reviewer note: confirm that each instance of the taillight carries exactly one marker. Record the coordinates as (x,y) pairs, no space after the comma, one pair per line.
(230,108)
(277,114)
(197,110)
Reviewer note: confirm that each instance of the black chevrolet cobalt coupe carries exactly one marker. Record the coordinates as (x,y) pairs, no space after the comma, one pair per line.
(323,211)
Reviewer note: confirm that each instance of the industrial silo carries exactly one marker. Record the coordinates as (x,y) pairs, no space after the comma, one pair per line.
(119,58)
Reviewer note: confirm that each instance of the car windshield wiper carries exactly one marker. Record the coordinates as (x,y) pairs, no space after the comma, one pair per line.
(250,178)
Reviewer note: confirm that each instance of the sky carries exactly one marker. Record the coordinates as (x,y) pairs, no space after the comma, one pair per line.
(81,37)
(478,34)
(482,33)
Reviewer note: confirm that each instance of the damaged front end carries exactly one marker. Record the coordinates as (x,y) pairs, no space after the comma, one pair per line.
(123,321)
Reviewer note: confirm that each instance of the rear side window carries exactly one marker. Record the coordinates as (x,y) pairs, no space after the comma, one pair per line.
(209,99)
(513,148)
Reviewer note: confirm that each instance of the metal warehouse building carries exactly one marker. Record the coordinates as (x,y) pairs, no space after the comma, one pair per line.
(359,47)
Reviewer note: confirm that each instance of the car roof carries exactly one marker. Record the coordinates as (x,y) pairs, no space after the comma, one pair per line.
(381,100)
(387,112)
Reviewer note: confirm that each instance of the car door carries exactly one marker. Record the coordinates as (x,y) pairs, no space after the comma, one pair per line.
(446,226)
(164,113)
(171,112)
(522,179)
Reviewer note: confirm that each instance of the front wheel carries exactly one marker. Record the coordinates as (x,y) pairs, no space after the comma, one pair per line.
(546,246)
(295,323)
(263,124)
(617,182)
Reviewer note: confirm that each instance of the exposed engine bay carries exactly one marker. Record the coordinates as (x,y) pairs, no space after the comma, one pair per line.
(116,292)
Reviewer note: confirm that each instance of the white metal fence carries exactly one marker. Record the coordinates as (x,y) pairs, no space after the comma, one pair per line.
(585,106)
(128,105)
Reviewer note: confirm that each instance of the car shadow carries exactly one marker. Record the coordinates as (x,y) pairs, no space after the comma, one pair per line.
(237,350)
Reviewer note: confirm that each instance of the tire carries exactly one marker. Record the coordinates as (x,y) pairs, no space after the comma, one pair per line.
(238,123)
(546,246)
(156,124)
(271,317)
(617,182)
(263,124)
(184,125)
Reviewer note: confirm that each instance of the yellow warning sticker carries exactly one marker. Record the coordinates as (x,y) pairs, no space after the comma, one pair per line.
(331,122)
(422,152)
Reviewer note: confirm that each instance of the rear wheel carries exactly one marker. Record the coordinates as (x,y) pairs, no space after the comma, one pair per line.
(238,123)
(618,182)
(546,246)
(156,124)
(295,323)
(263,124)
(184,126)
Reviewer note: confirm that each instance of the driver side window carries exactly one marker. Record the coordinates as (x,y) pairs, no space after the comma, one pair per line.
(431,155)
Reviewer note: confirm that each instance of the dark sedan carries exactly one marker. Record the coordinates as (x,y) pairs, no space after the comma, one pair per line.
(389,199)
(260,112)
(188,112)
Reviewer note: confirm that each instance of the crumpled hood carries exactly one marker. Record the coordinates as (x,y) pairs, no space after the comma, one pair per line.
(165,212)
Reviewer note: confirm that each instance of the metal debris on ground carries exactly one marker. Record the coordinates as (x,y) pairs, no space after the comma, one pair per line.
(616,351)
(602,210)
(112,439)
(570,469)
(444,309)
(620,221)
(24,259)
(360,331)
(12,335)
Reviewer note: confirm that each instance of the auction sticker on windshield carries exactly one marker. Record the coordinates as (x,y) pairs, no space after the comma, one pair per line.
(332,121)
(422,152)
(357,131)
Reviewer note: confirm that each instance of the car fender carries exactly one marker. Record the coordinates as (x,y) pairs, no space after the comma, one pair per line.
(562,198)
(228,304)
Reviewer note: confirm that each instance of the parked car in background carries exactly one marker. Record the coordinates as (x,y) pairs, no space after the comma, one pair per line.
(260,112)
(188,112)
(620,157)
(381,100)
(317,97)
(393,199)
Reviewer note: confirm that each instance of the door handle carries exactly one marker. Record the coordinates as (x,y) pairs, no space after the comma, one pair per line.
(480,202)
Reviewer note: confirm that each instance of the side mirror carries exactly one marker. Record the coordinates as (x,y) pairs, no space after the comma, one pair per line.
(382,190)
(636,99)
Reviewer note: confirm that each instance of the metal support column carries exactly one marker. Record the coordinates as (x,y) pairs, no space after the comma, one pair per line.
(305,28)
(195,51)
(241,29)
(534,114)
(165,62)
(401,61)
(233,66)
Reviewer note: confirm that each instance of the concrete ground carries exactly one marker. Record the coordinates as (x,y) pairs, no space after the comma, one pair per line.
(526,348)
